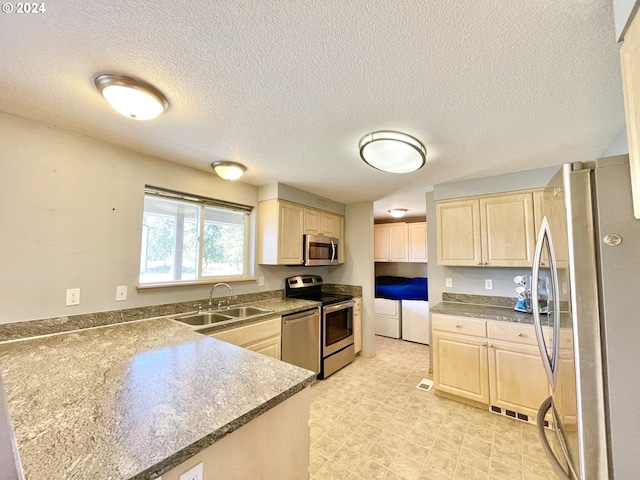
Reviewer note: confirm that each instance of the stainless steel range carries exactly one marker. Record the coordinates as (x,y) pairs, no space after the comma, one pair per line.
(336,326)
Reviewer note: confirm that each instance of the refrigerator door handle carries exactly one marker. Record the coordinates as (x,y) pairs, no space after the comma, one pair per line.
(557,467)
(535,274)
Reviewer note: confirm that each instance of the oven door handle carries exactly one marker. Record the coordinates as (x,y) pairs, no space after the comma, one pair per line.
(338,306)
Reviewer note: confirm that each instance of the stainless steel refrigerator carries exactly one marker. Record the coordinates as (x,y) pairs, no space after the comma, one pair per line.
(586,299)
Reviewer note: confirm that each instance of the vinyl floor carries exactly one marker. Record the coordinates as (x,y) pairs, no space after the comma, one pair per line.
(369,421)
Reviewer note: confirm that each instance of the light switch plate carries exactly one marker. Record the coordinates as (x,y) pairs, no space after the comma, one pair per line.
(194,473)
(488,284)
(448,282)
(261,281)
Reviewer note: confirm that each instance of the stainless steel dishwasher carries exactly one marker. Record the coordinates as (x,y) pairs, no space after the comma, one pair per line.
(301,339)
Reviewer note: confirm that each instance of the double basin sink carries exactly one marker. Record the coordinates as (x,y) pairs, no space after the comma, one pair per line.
(216,316)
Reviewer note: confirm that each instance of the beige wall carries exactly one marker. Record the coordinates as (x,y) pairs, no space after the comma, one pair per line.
(71,214)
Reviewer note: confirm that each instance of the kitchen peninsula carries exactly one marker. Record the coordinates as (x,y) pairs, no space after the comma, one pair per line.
(138,399)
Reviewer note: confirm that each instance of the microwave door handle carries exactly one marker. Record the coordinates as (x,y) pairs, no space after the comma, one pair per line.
(333,251)
(535,274)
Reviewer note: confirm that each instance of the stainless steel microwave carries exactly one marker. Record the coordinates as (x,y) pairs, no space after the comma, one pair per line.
(319,250)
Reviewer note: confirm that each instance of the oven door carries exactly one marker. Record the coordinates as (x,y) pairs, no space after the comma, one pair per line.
(337,327)
(319,250)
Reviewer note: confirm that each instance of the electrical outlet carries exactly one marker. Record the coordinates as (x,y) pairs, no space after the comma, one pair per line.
(261,281)
(448,282)
(121,293)
(194,473)
(488,284)
(564,288)
(73,296)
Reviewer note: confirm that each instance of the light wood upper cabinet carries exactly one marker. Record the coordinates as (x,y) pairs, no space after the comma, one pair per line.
(418,242)
(630,61)
(458,224)
(312,221)
(342,247)
(491,230)
(317,222)
(400,242)
(507,226)
(280,227)
(282,224)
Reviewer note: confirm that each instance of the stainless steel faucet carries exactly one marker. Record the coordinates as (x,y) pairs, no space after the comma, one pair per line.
(219,301)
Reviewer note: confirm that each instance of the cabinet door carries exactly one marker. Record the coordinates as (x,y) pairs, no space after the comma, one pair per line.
(290,234)
(517,378)
(507,225)
(460,366)
(269,347)
(312,222)
(380,243)
(398,251)
(342,247)
(630,61)
(327,224)
(417,242)
(357,324)
(458,225)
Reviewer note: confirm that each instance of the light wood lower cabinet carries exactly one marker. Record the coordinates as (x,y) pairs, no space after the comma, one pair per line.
(460,366)
(489,362)
(357,324)
(262,337)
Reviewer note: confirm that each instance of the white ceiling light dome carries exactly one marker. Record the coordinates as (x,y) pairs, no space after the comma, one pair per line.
(398,212)
(132,97)
(228,170)
(393,152)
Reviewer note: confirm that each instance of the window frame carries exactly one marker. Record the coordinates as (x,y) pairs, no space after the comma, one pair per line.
(202,203)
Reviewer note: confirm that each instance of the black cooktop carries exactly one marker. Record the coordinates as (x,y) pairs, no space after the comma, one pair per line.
(309,287)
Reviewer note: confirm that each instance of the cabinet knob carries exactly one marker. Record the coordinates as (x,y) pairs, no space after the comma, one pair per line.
(458,325)
(485,263)
(484,344)
(491,345)
(479,263)
(520,334)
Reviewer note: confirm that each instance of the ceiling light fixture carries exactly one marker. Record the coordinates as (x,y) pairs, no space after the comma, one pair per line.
(131,97)
(397,212)
(228,170)
(392,152)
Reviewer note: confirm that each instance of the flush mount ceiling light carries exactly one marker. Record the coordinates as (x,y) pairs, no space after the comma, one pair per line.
(131,97)
(228,170)
(397,212)
(392,152)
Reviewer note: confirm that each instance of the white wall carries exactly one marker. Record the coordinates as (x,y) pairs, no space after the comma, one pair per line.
(71,214)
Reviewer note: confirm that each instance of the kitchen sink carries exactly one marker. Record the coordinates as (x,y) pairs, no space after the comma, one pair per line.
(238,312)
(206,318)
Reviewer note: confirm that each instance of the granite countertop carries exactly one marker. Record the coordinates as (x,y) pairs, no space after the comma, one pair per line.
(133,400)
(487,312)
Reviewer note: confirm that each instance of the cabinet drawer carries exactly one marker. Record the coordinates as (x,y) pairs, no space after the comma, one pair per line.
(512,332)
(463,325)
(248,334)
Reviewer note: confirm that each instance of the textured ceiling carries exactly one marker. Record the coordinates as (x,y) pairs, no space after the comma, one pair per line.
(289,87)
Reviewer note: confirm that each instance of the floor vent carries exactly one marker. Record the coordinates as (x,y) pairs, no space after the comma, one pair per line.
(425,384)
(518,416)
